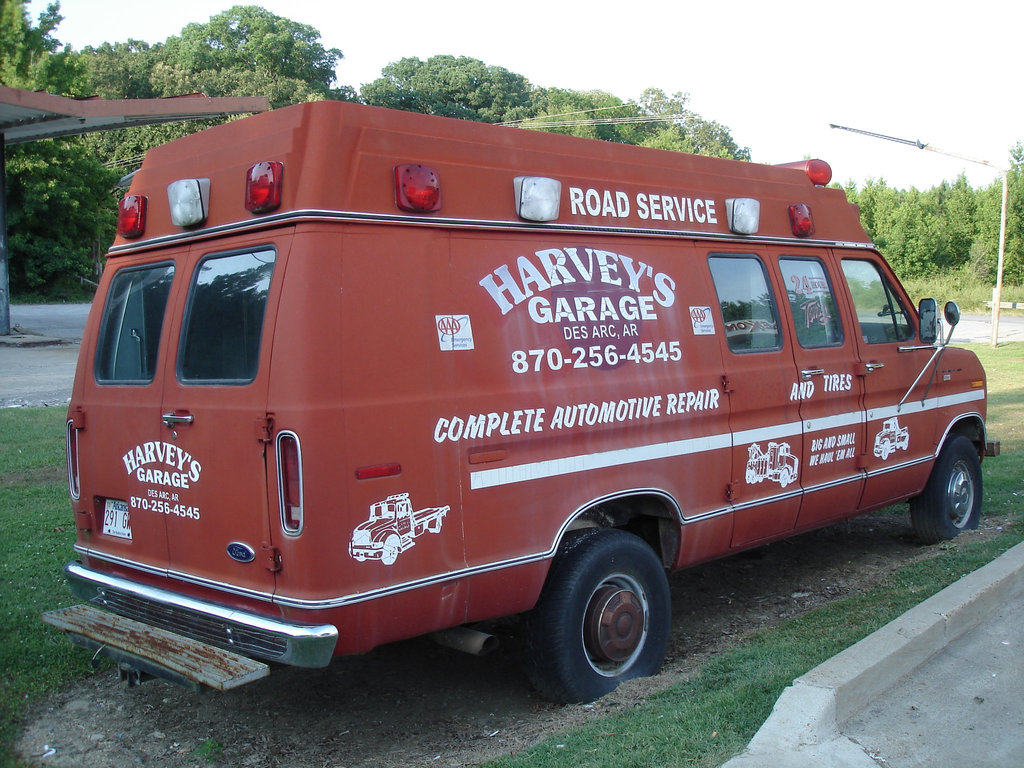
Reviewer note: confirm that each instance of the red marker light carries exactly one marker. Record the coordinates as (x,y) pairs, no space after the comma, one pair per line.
(263,186)
(378,470)
(800,219)
(417,188)
(131,215)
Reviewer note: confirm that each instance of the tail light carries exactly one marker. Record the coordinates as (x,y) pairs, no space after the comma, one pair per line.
(74,486)
(289,481)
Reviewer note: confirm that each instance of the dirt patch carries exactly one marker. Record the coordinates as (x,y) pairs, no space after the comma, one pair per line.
(417,704)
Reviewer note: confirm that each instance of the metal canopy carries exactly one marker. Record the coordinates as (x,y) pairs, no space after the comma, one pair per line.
(31,115)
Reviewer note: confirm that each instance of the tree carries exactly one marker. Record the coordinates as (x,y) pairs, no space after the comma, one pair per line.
(680,129)
(243,51)
(249,51)
(452,87)
(60,214)
(656,121)
(30,57)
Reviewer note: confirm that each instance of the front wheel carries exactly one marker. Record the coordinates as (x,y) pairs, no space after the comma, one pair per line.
(951,501)
(602,618)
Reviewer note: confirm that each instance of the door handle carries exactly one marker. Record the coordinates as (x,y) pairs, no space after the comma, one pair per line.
(170,419)
(873,366)
(806,373)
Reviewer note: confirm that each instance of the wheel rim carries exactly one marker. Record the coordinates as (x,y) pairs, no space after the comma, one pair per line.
(615,625)
(960,494)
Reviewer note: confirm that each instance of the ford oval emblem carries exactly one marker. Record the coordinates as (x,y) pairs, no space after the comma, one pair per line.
(243,553)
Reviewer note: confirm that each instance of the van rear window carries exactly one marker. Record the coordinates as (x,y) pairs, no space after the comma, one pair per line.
(220,338)
(133,317)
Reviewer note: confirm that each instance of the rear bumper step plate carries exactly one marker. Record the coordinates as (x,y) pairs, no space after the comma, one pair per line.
(156,651)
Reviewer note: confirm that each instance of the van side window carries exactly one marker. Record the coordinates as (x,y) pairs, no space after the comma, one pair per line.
(881,315)
(133,317)
(748,307)
(220,338)
(812,302)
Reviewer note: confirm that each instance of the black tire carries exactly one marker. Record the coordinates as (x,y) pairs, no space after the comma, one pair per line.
(951,501)
(571,655)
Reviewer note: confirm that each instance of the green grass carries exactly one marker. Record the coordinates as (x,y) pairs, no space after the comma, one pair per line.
(37,536)
(698,723)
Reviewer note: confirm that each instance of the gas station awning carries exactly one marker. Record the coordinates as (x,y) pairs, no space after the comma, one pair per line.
(32,115)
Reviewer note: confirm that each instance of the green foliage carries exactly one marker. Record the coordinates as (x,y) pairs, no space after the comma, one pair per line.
(61,214)
(951,228)
(30,57)
(656,120)
(452,87)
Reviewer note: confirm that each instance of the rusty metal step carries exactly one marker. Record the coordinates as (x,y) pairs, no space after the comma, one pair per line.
(155,651)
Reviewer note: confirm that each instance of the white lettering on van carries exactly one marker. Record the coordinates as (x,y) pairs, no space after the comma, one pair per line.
(481,426)
(649,206)
(182,470)
(511,284)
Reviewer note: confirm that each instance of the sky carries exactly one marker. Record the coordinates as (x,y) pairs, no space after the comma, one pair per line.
(775,74)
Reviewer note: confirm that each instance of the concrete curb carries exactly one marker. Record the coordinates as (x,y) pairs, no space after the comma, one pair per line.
(803,728)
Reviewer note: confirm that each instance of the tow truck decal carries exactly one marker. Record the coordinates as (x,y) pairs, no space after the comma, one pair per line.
(891,438)
(776,463)
(392,528)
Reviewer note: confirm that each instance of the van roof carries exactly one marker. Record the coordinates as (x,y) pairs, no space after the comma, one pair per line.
(339,161)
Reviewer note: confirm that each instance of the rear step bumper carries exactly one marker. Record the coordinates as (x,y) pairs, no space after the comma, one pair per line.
(154,651)
(214,626)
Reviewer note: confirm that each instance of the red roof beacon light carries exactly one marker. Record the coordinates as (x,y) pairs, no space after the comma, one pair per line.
(131,215)
(417,188)
(189,200)
(537,197)
(818,171)
(263,185)
(800,219)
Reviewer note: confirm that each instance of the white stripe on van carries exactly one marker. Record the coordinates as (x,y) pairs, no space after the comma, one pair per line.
(537,470)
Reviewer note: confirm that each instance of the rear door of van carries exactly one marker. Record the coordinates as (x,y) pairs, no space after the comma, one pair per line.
(213,417)
(114,420)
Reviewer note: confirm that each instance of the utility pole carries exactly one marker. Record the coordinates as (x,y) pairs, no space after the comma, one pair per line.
(997,293)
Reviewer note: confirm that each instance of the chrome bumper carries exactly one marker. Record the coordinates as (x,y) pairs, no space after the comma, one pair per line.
(247,634)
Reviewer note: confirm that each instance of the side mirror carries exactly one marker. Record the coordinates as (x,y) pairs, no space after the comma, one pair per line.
(952,313)
(928,317)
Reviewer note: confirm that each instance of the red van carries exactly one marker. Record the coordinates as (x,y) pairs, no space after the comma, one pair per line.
(355,375)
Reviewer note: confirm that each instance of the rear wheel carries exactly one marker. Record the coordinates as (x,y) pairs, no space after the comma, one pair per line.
(951,501)
(602,618)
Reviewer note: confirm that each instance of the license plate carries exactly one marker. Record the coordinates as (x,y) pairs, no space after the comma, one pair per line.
(116,520)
